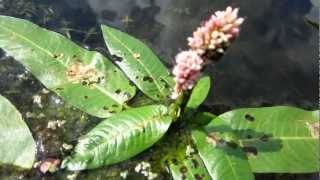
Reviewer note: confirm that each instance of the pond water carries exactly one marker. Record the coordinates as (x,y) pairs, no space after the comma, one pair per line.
(273,62)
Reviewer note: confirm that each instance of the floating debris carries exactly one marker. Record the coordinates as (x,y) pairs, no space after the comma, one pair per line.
(189,151)
(37,100)
(55,124)
(144,168)
(124,174)
(67,146)
(49,165)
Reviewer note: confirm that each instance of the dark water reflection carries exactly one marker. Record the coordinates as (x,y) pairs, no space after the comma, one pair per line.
(274,61)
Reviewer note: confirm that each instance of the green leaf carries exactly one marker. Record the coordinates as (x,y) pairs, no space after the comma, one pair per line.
(82,78)
(222,162)
(120,137)
(17,146)
(139,63)
(182,159)
(277,139)
(188,167)
(201,118)
(199,93)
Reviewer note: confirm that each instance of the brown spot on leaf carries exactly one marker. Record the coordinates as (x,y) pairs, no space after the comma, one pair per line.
(214,139)
(148,78)
(174,161)
(105,108)
(314,129)
(249,117)
(250,150)
(232,145)
(56,56)
(183,169)
(264,138)
(118,91)
(81,73)
(197,177)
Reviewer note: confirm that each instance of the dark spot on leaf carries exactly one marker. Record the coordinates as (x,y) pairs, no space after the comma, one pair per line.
(166,85)
(85,83)
(143,129)
(74,56)
(148,78)
(59,89)
(116,58)
(114,105)
(249,136)
(118,91)
(174,161)
(112,111)
(195,163)
(249,117)
(264,138)
(233,145)
(105,108)
(55,56)
(86,97)
(250,150)
(183,177)
(114,71)
(137,77)
(183,169)
(197,177)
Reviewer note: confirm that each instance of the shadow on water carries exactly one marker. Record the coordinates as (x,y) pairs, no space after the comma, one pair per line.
(274,61)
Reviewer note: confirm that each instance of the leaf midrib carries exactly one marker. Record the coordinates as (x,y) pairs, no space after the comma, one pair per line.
(51,54)
(139,126)
(132,54)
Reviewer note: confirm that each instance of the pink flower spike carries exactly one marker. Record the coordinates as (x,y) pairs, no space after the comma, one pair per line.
(222,27)
(187,69)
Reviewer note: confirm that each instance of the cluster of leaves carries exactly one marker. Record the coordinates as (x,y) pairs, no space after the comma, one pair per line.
(233,145)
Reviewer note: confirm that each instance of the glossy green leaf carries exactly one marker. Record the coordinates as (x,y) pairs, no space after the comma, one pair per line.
(199,93)
(17,146)
(139,63)
(82,78)
(120,137)
(277,139)
(222,161)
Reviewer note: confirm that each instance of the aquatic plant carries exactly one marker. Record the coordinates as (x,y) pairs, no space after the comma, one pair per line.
(233,145)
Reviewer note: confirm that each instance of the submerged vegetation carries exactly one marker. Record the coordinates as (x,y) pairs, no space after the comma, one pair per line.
(137,105)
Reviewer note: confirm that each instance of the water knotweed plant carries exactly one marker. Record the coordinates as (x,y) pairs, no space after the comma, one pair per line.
(138,100)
